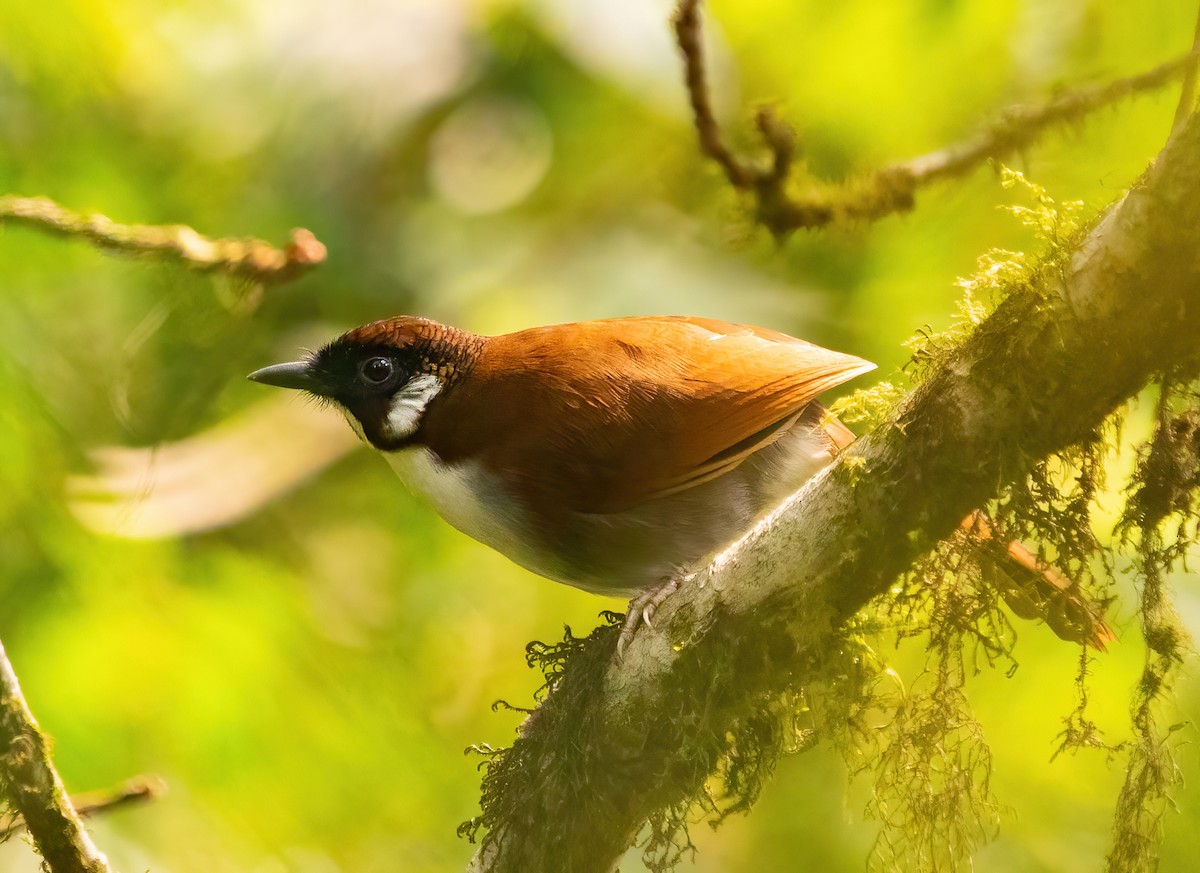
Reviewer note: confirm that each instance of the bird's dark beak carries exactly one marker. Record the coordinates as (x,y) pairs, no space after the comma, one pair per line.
(293,375)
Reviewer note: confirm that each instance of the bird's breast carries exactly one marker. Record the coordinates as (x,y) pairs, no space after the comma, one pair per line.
(476,502)
(625,551)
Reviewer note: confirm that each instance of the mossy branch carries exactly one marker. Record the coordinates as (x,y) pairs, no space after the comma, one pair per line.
(788,198)
(32,786)
(612,745)
(249,259)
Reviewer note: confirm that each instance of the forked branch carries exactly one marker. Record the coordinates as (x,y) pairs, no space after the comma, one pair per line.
(773,181)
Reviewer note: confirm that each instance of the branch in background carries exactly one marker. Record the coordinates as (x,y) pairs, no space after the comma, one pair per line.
(687,35)
(1018,126)
(891,188)
(249,259)
(1187,90)
(34,789)
(139,789)
(614,744)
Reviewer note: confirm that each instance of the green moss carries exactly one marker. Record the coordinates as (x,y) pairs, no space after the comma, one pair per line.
(501,800)
(932,781)
(1079,731)
(871,406)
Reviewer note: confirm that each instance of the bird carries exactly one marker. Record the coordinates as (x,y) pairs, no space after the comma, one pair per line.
(619,455)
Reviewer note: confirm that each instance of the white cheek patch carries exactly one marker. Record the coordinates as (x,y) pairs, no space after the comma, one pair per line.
(408,405)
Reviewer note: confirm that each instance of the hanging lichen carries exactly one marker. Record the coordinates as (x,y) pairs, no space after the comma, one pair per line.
(1161,523)
(931,766)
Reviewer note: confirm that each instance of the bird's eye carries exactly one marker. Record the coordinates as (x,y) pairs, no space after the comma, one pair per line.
(376,371)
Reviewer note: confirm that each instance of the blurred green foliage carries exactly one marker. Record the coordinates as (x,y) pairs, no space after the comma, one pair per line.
(307,678)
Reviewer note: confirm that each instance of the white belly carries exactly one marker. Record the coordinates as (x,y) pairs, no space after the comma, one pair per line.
(470,499)
(627,551)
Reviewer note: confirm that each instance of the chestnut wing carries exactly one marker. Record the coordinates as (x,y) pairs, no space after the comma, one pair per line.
(601,416)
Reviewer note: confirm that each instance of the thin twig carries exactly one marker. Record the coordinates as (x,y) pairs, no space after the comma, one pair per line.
(139,789)
(876,194)
(1018,126)
(691,43)
(34,789)
(1187,93)
(249,259)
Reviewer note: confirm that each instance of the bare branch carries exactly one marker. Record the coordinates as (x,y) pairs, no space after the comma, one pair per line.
(1187,92)
(139,789)
(34,789)
(614,743)
(249,259)
(893,188)
(1019,126)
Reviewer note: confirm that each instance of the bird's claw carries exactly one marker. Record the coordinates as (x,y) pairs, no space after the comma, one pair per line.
(641,610)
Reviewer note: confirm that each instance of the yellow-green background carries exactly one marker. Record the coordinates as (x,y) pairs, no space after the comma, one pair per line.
(307,678)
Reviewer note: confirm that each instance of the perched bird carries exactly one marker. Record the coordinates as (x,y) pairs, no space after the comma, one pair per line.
(618,455)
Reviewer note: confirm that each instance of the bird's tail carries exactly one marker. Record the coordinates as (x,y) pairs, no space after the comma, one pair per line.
(1034,590)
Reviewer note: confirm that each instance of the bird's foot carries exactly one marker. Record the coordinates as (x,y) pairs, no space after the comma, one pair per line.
(641,609)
